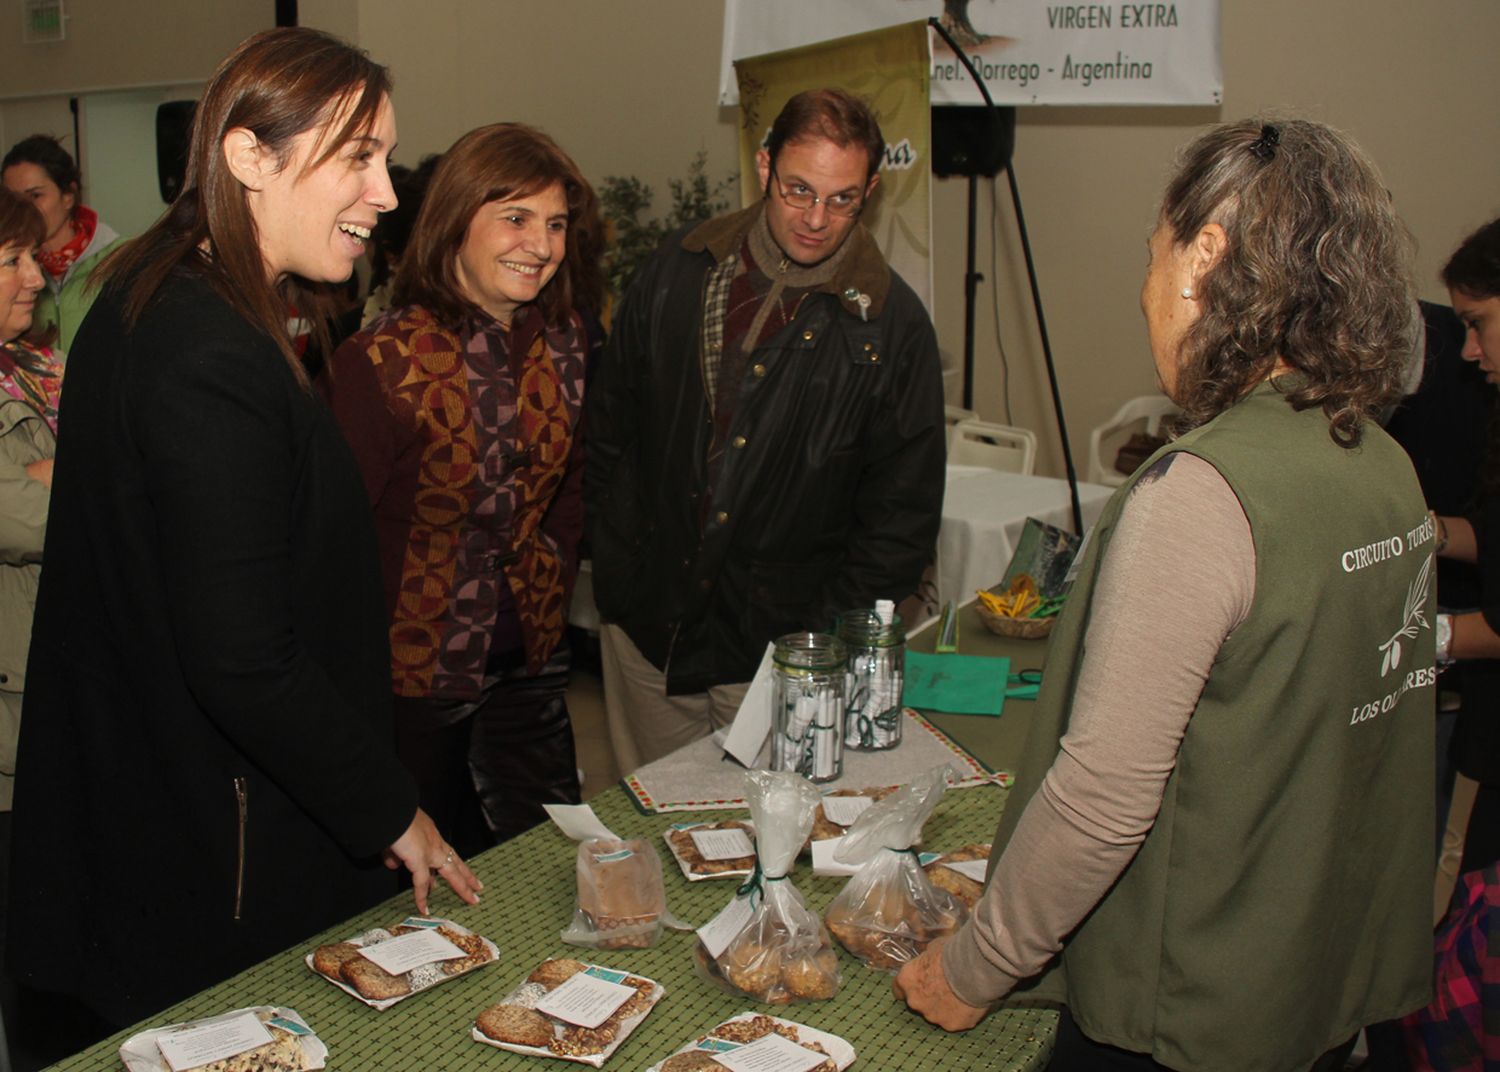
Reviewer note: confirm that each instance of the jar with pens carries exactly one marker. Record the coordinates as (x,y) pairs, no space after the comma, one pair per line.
(876,642)
(808,705)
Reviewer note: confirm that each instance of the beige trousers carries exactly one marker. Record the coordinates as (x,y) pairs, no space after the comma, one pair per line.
(644,722)
(1452,851)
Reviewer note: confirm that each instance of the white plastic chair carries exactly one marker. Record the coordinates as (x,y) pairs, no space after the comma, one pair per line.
(1146,411)
(953,414)
(999,446)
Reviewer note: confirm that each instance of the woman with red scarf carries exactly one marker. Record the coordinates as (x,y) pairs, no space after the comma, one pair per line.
(41,171)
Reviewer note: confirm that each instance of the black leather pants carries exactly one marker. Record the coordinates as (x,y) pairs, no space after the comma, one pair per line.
(484,767)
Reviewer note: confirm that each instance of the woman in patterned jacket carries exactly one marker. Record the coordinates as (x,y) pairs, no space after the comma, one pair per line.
(462,405)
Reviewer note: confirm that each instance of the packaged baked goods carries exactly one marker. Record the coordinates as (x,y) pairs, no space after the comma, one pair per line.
(569,1009)
(889,910)
(712,850)
(386,965)
(738,1035)
(621,900)
(960,872)
(264,1038)
(838,810)
(767,943)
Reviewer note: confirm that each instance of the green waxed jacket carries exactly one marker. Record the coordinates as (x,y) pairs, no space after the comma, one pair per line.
(1282,899)
(66,303)
(24,438)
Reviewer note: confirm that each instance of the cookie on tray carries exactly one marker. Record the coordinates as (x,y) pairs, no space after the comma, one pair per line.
(553,973)
(372,981)
(329,959)
(584,1041)
(472,944)
(691,1061)
(513,1024)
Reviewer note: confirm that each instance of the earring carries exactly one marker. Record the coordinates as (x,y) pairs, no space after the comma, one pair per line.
(1187,292)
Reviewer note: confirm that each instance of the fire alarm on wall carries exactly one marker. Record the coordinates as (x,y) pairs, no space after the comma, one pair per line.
(42,21)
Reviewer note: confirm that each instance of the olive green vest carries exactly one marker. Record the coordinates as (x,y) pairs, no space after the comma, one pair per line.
(1283,898)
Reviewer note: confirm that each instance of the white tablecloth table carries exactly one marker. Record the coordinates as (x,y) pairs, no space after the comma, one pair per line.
(983,514)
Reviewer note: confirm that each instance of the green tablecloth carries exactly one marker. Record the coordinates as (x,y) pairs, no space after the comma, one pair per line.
(528,899)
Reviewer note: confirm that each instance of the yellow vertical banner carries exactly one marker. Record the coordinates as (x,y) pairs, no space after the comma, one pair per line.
(891,69)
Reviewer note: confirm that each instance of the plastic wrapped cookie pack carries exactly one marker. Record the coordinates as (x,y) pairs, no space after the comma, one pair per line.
(569,1009)
(382,967)
(712,850)
(960,872)
(767,943)
(231,1042)
(752,1032)
(889,910)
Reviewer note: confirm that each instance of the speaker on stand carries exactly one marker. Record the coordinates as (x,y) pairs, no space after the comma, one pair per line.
(983,144)
(971,142)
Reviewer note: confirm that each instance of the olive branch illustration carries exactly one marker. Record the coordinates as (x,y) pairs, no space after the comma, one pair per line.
(1416,600)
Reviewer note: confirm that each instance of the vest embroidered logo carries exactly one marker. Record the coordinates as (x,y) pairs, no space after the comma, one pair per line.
(1415,618)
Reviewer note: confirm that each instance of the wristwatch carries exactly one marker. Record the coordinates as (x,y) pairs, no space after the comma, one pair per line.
(1444,638)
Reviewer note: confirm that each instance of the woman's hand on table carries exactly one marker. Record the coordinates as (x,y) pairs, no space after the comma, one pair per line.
(423,852)
(923,986)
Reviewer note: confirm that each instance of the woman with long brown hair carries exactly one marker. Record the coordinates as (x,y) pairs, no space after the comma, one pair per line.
(207,771)
(462,405)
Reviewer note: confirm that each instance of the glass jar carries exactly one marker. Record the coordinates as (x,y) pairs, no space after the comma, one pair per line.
(807,706)
(876,673)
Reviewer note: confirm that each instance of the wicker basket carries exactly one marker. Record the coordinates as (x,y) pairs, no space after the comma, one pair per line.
(1022,628)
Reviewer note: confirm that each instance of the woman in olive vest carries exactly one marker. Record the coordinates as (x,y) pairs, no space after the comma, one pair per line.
(1218,852)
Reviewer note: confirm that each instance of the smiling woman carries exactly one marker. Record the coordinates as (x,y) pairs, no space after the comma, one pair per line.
(481,363)
(208,723)
(75,241)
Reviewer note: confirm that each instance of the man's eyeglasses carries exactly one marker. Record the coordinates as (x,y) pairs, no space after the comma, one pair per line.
(800,197)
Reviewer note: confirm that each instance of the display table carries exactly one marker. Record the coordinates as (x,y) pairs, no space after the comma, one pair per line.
(528,899)
(983,513)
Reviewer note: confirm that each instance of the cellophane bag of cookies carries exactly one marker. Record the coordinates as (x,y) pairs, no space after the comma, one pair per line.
(754,1029)
(603,1006)
(889,910)
(782,953)
(622,903)
(349,965)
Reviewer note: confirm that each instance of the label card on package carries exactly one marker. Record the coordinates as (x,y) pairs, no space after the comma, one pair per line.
(772,1053)
(400,955)
(216,1041)
(718,932)
(974,869)
(290,1026)
(585,1000)
(823,858)
(842,811)
(578,821)
(722,844)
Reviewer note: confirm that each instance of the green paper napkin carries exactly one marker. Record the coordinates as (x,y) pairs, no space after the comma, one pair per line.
(958,684)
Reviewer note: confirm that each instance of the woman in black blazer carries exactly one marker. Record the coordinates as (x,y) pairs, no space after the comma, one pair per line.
(209,770)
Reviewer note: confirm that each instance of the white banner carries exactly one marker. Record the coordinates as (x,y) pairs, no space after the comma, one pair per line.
(1027,51)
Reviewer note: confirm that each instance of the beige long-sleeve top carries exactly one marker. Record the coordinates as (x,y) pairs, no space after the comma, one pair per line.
(1178,578)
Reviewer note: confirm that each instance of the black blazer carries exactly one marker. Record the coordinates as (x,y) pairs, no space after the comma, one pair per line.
(206,771)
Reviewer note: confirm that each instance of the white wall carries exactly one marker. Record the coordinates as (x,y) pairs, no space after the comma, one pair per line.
(630,88)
